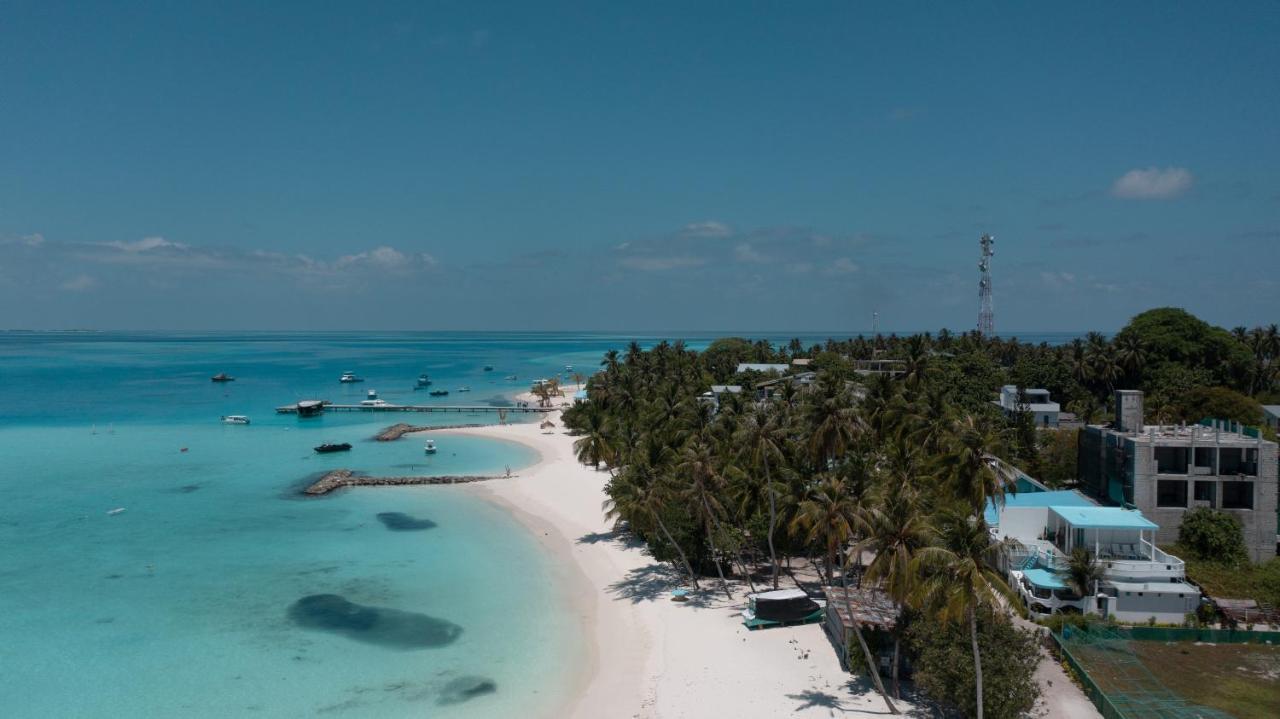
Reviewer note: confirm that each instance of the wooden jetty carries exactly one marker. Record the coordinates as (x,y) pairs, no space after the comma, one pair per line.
(462,409)
(340,478)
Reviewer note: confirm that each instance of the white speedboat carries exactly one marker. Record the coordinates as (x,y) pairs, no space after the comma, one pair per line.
(424,381)
(374,403)
(429,447)
(371,394)
(235,419)
(511,378)
(464,389)
(349,377)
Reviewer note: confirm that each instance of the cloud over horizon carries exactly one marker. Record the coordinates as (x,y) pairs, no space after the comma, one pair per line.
(1153,183)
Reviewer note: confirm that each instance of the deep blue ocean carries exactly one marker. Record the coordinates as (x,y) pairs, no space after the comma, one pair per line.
(217,591)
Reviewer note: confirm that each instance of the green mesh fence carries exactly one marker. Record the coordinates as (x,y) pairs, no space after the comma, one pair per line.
(1120,685)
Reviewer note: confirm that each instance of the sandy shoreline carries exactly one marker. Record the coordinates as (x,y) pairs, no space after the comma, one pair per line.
(649,657)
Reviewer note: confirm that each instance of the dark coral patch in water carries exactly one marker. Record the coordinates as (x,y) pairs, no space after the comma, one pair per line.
(374,625)
(401,522)
(464,688)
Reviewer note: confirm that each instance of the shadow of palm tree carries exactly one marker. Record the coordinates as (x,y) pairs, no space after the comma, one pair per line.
(811,698)
(645,584)
(621,537)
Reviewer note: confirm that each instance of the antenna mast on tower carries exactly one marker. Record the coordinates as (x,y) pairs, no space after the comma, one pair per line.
(986,314)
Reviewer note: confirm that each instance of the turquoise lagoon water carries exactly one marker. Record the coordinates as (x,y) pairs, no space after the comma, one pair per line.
(218,591)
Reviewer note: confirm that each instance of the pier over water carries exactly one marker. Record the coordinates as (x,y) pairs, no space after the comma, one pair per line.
(471,409)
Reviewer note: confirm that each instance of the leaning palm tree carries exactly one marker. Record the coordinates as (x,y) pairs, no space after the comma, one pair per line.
(697,465)
(897,528)
(832,516)
(637,495)
(957,580)
(761,437)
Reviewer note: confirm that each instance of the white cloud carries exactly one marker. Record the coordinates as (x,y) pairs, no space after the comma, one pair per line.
(658,264)
(1057,280)
(709,228)
(1153,183)
(386,258)
(79,283)
(842,266)
(33,240)
(145,244)
(746,253)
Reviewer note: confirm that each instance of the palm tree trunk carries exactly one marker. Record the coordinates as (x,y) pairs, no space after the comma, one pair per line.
(773,521)
(977,658)
(862,641)
(688,567)
(724,584)
(897,643)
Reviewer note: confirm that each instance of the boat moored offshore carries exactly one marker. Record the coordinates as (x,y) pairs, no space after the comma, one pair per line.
(235,419)
(222,377)
(429,447)
(349,377)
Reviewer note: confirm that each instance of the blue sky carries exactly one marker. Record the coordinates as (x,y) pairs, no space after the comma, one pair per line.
(712,166)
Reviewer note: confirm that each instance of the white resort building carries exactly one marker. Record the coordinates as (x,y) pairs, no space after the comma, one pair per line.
(1036,401)
(1139,580)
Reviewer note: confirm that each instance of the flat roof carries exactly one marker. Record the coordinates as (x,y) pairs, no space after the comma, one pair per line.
(1061,497)
(1103,518)
(762,367)
(1044,579)
(1272,409)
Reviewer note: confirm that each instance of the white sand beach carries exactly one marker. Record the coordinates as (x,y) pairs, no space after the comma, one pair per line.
(652,657)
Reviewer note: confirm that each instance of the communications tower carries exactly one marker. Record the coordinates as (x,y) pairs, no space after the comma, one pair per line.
(986,315)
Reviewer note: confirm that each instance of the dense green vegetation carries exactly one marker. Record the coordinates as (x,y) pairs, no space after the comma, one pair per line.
(1212,535)
(944,666)
(898,466)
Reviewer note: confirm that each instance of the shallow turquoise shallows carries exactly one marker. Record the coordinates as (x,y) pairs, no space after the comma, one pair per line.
(218,591)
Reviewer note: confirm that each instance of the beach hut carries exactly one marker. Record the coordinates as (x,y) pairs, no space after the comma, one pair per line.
(547,426)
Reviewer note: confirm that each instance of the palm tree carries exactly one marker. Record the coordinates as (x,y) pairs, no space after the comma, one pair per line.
(896,530)
(697,464)
(1131,351)
(595,446)
(1083,572)
(957,580)
(828,517)
(636,495)
(832,516)
(761,437)
(970,465)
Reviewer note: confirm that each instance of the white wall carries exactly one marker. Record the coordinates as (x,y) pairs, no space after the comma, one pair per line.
(1023,523)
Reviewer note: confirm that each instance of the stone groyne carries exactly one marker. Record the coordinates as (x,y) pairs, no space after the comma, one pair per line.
(340,478)
(396,431)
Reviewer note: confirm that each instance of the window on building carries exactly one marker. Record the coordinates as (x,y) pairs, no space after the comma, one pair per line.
(1237,495)
(1238,460)
(1171,493)
(1171,460)
(1205,458)
(1206,491)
